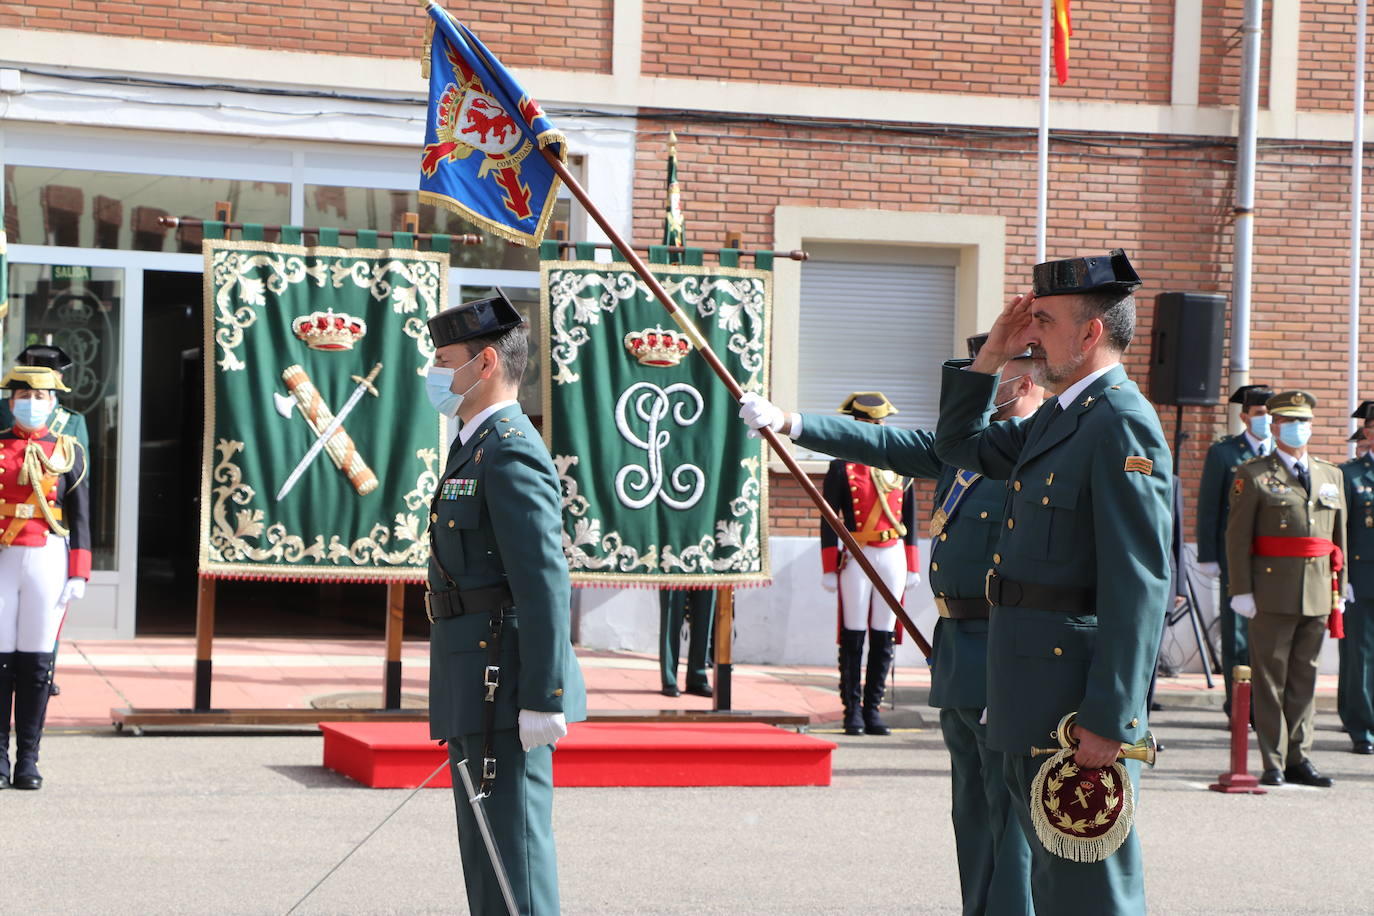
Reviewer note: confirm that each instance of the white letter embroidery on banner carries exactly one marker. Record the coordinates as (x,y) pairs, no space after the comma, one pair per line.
(652,406)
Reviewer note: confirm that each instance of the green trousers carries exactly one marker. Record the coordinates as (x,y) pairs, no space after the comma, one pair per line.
(1235,639)
(1113,887)
(697,607)
(994,859)
(1355,690)
(520,810)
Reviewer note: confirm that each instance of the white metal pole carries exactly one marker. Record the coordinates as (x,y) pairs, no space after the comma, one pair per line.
(1043,142)
(1356,205)
(1245,197)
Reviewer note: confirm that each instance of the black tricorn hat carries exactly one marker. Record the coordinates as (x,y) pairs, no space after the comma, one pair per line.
(45,355)
(1081,275)
(477,318)
(975,343)
(1365,411)
(1251,396)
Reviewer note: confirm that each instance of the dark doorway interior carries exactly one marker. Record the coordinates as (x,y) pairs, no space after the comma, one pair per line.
(173,415)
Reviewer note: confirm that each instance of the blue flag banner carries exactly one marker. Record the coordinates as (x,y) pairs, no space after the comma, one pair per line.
(483,136)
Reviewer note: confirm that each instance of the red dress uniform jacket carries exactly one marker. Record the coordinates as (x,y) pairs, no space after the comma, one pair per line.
(21,522)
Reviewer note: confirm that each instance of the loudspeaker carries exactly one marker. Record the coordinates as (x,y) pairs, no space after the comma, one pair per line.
(1185,348)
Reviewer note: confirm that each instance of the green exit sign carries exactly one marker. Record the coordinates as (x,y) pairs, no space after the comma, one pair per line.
(66,272)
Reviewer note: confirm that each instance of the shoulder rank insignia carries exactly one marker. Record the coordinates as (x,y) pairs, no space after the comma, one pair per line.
(1139,463)
(1238,487)
(456,487)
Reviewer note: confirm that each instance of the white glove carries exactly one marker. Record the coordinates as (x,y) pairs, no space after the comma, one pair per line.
(830,581)
(1349,593)
(74,590)
(1210,570)
(759,412)
(913,579)
(1244,605)
(539,728)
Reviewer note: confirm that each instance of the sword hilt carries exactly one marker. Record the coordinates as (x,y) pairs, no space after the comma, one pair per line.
(367,382)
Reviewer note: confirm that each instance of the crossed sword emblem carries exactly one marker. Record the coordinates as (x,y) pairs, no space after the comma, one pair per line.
(330,435)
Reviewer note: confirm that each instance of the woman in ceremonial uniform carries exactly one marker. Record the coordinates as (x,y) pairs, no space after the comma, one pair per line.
(45,559)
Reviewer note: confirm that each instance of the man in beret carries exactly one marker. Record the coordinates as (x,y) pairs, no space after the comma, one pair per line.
(504,682)
(1355,689)
(1285,546)
(1213,503)
(1080,576)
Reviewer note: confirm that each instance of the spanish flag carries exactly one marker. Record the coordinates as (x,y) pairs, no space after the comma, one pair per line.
(1063,29)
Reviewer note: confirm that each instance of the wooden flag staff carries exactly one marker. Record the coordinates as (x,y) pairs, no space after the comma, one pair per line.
(736,392)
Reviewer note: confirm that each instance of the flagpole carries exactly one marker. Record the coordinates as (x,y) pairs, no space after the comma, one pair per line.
(1043,139)
(1356,205)
(700,342)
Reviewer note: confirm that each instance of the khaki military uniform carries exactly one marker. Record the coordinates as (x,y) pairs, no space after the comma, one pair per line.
(1293,594)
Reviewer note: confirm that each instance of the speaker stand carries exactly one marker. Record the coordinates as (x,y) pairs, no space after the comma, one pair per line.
(1206,652)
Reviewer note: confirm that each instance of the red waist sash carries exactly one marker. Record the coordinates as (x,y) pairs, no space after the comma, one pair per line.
(1269,546)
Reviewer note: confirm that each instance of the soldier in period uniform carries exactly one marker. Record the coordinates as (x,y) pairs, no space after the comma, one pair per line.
(994,859)
(504,681)
(1355,692)
(697,608)
(1285,546)
(63,421)
(1214,501)
(45,559)
(880,513)
(1080,576)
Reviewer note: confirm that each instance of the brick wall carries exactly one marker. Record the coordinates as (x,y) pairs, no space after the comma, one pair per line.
(562,34)
(973,46)
(1326,55)
(1219,69)
(1168,204)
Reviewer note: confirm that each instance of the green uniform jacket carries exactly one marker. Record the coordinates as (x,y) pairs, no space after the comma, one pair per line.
(502,523)
(1268,500)
(1089,508)
(1214,495)
(959,559)
(62,422)
(1359,539)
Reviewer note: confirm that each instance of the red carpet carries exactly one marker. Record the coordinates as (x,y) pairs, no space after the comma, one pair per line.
(399,755)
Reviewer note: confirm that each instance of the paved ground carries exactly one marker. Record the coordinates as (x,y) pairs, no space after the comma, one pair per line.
(194,824)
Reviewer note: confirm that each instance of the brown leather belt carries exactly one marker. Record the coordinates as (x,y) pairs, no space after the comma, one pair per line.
(455,602)
(1063,599)
(27,510)
(962,608)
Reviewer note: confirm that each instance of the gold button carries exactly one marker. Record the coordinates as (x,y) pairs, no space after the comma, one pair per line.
(482,644)
(945,537)
(1058,651)
(1044,500)
(1011,523)
(434,516)
(997,558)
(450,523)
(934,567)
(1134,723)
(1267,569)
(1016,486)
(558,692)
(982,515)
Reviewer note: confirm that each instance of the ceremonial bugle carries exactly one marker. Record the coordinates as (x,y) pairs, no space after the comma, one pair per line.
(1146,749)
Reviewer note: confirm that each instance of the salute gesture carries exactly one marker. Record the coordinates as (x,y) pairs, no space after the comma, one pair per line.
(1007,339)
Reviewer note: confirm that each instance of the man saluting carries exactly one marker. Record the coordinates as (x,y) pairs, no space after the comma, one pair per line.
(1080,575)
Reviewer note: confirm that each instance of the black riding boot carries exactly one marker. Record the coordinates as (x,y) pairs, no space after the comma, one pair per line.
(880,654)
(32,679)
(6,704)
(851,666)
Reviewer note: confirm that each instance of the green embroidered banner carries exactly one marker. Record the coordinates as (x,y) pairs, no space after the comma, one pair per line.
(295,339)
(661,486)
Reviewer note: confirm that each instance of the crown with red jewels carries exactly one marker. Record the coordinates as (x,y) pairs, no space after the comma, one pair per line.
(329,331)
(657,347)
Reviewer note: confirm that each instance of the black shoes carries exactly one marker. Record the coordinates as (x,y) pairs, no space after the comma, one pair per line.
(1271,778)
(29,781)
(700,690)
(1363,747)
(671,690)
(1305,774)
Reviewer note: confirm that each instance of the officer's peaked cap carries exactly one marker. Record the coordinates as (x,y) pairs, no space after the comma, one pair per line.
(1295,404)
(477,318)
(1081,275)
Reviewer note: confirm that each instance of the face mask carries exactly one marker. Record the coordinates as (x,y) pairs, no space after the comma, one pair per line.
(1011,381)
(31,413)
(1259,426)
(439,384)
(1295,434)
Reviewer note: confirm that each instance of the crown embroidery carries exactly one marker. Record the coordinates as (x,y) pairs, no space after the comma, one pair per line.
(330,331)
(657,347)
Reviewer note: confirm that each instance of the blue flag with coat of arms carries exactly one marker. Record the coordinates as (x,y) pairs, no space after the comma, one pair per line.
(483,136)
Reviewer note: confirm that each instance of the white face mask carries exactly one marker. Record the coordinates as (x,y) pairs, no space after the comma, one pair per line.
(1011,400)
(31,413)
(439,388)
